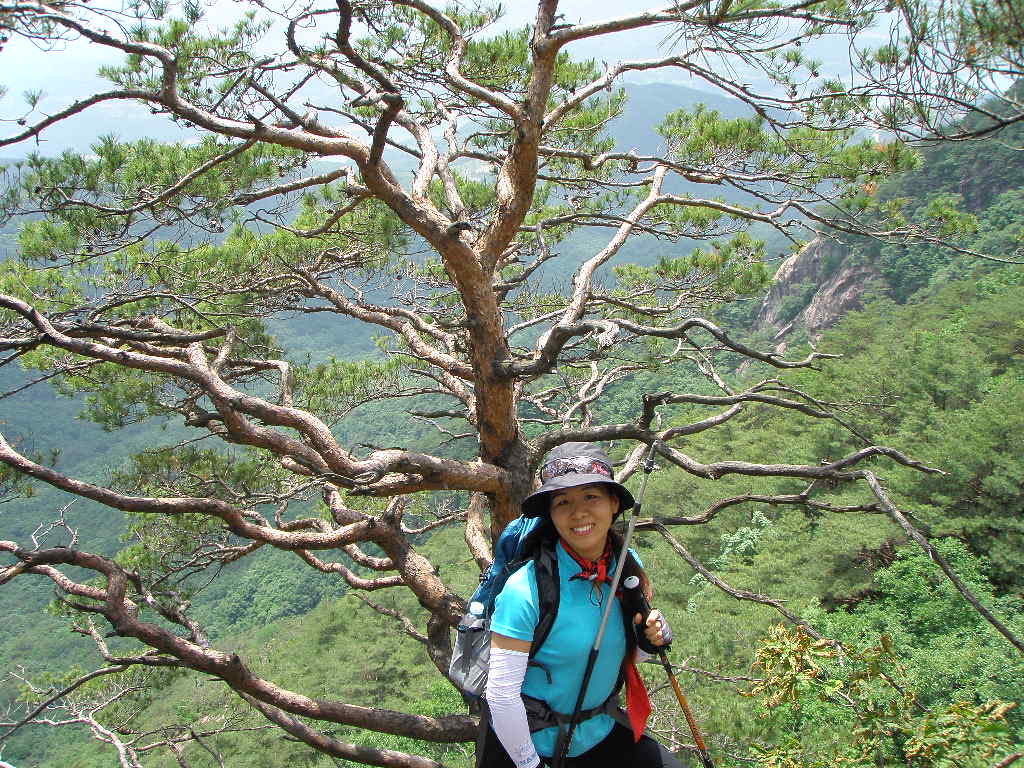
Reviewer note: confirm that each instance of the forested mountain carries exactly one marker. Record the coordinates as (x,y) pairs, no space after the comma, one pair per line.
(270,516)
(969,191)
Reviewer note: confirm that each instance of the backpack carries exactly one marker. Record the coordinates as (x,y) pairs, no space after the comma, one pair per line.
(472,651)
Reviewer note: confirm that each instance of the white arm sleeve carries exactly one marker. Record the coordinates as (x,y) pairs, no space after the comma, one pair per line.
(505,676)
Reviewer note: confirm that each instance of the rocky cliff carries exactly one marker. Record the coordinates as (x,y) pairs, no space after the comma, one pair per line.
(813,288)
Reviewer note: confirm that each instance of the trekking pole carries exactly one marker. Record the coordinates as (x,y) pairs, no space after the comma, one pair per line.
(565,737)
(640,600)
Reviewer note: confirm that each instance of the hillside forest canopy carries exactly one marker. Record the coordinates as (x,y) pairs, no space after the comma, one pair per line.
(441,190)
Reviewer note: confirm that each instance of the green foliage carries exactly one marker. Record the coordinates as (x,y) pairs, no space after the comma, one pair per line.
(795,302)
(477,195)
(738,545)
(889,695)
(117,175)
(698,136)
(951,653)
(277,585)
(195,53)
(440,699)
(702,138)
(725,271)
(981,496)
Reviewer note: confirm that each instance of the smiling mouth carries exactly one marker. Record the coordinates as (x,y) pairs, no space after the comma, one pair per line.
(583,530)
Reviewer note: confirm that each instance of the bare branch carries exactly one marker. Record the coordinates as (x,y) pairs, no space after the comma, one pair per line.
(739,594)
(794,499)
(900,519)
(406,623)
(330,746)
(59,695)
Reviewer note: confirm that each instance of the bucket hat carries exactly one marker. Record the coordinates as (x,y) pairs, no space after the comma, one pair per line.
(569,465)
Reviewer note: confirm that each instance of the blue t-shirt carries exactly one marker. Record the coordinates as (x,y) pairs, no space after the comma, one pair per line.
(566,650)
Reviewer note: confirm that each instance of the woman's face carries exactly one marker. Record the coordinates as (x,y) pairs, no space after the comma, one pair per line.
(582,516)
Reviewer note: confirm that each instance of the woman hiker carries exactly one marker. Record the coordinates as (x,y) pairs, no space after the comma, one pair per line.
(578,501)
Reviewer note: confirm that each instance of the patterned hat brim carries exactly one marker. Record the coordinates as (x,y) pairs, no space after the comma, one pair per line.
(537,503)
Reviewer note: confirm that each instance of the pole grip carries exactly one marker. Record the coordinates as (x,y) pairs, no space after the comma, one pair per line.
(635,598)
(639,600)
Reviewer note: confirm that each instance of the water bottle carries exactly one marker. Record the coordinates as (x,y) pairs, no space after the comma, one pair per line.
(471,654)
(474,620)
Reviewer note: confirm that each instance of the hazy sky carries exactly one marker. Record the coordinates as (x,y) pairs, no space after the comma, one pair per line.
(70,73)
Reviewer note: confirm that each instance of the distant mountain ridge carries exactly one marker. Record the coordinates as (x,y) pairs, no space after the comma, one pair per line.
(648,103)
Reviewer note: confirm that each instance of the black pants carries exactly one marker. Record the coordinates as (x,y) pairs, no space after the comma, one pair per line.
(617,750)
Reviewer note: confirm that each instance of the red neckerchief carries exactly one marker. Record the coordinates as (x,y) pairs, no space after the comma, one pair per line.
(638,702)
(592,570)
